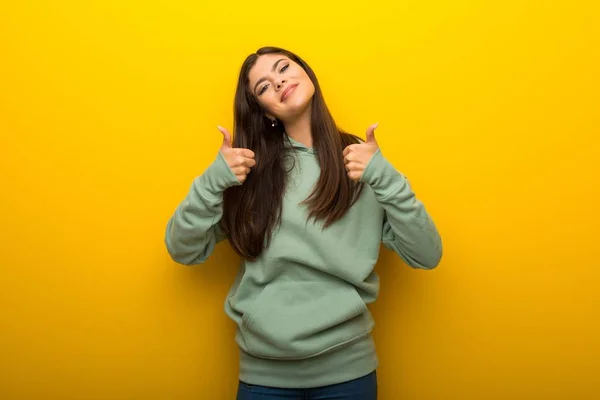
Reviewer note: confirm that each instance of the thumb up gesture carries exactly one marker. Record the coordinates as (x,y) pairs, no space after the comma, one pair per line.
(357,156)
(239,160)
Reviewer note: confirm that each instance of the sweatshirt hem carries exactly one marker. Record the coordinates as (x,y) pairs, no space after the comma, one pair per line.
(352,361)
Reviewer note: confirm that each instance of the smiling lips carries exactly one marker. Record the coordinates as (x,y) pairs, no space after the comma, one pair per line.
(289,90)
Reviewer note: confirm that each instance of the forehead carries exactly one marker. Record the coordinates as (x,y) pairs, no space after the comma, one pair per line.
(263,66)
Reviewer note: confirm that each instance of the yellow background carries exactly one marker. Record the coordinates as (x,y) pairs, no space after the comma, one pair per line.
(108,110)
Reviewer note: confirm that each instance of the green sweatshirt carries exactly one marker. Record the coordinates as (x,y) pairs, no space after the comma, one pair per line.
(301,307)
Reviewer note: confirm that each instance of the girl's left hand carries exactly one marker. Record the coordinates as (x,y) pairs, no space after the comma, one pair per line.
(357,156)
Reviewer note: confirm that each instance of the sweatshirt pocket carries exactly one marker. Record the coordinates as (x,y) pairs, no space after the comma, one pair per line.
(298,320)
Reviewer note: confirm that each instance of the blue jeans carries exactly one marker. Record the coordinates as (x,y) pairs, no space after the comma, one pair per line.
(364,388)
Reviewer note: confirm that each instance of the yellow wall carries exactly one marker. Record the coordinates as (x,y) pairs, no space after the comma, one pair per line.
(108,111)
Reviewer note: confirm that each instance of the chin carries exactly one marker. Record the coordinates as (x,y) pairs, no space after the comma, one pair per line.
(298,103)
(297,108)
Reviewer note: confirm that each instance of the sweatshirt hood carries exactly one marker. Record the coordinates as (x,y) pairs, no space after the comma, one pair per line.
(289,142)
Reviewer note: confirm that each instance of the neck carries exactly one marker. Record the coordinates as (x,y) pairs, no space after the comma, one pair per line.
(299,128)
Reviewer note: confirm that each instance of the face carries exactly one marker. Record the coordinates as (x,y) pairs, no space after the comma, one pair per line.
(282,87)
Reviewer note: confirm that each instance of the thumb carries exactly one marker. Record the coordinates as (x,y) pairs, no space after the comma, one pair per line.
(371,134)
(226,137)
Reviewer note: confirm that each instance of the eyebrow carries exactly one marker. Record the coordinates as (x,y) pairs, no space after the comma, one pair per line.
(264,78)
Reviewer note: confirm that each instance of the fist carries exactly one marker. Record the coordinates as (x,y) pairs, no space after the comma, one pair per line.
(240,161)
(357,156)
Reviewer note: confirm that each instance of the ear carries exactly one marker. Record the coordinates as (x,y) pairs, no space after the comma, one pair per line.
(271,118)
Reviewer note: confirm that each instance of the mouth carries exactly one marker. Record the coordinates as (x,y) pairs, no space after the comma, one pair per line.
(289,90)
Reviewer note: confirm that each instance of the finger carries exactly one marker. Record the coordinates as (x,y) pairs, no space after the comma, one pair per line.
(354,166)
(239,160)
(241,178)
(354,175)
(240,170)
(349,149)
(249,162)
(226,137)
(245,153)
(371,133)
(349,158)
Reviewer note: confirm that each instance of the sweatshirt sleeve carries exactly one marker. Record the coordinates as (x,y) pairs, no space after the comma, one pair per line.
(193,230)
(408,229)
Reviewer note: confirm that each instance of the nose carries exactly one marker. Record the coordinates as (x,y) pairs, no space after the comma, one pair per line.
(280,83)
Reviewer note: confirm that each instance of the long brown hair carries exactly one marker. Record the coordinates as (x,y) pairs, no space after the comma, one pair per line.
(252,211)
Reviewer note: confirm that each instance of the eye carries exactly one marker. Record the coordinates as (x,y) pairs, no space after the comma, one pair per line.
(262,89)
(282,70)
